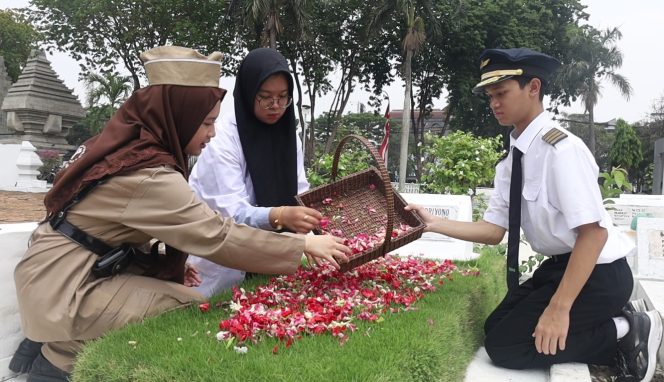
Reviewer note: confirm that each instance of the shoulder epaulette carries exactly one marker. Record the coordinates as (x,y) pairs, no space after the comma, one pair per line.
(554,136)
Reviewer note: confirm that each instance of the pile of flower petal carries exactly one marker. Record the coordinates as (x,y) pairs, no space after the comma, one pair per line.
(323,300)
(334,220)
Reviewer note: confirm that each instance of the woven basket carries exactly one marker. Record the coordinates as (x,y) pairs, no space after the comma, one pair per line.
(368,204)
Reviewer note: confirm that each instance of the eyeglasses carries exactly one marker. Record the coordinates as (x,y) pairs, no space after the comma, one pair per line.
(268,102)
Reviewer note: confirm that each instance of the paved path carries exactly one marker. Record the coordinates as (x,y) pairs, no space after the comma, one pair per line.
(19,207)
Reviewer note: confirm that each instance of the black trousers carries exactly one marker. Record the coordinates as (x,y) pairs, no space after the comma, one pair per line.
(591,336)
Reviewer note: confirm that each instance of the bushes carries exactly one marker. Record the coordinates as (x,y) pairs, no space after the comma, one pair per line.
(459,163)
(349,163)
(51,162)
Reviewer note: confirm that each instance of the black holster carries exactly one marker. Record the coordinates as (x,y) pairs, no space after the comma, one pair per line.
(114,262)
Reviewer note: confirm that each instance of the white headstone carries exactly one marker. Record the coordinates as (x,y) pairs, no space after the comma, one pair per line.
(625,209)
(436,246)
(641,197)
(650,246)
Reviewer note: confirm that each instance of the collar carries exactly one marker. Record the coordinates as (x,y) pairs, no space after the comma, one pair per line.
(529,134)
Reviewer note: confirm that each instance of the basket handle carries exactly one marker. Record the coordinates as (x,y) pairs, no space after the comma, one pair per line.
(389,194)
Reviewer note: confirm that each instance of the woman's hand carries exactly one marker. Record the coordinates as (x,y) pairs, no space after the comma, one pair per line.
(191,276)
(427,217)
(300,219)
(328,247)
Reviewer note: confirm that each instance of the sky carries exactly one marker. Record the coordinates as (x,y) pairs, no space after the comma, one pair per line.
(640,21)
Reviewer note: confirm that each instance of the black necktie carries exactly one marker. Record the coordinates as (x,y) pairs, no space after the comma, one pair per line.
(514,236)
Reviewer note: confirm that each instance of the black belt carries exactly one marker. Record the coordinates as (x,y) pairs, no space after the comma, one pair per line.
(560,258)
(59,223)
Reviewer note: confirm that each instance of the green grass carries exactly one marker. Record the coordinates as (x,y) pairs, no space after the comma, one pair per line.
(434,342)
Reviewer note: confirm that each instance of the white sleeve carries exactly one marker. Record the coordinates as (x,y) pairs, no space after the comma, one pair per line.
(218,178)
(497,211)
(574,179)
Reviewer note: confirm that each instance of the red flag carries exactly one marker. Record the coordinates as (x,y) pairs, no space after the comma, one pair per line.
(386,139)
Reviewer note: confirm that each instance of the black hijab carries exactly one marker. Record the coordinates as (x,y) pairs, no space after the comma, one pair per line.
(270,150)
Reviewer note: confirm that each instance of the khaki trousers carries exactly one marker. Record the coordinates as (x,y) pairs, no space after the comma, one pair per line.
(137,298)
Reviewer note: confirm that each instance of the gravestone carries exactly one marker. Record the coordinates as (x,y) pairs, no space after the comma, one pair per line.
(5,83)
(650,246)
(625,209)
(40,108)
(436,246)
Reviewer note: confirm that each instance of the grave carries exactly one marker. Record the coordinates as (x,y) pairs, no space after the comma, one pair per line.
(625,208)
(436,246)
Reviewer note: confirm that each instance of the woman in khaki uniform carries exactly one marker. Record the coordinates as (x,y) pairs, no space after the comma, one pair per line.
(141,156)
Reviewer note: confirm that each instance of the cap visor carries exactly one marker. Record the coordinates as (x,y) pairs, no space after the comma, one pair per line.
(489,81)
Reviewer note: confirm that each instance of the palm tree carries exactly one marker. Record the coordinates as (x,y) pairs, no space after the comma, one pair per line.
(111,87)
(266,13)
(412,42)
(597,58)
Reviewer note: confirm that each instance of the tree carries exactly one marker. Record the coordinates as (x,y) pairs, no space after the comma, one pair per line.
(412,42)
(626,149)
(578,125)
(17,39)
(104,34)
(474,26)
(649,131)
(112,88)
(596,60)
(359,57)
(267,15)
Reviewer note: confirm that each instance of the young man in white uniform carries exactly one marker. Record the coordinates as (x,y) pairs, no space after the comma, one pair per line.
(571,309)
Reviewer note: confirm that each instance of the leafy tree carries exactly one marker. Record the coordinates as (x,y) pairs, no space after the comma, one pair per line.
(475,26)
(102,34)
(626,149)
(597,58)
(17,39)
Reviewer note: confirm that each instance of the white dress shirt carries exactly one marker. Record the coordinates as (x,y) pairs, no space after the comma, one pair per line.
(221,179)
(560,193)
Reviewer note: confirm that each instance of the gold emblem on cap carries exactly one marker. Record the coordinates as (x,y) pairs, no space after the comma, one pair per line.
(507,72)
(484,63)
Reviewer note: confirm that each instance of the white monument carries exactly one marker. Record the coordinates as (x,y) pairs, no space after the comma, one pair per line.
(19,165)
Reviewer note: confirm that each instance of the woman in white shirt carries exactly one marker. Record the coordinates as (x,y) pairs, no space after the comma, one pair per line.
(254,167)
